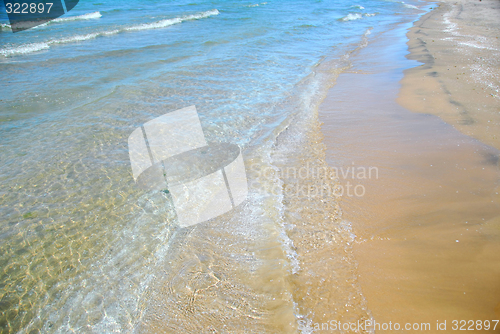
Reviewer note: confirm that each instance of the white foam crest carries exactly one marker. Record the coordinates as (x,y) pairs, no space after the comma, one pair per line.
(352,17)
(408,5)
(80,38)
(27,24)
(34,47)
(358,6)
(88,16)
(369,14)
(169,22)
(155,25)
(257,4)
(26,48)
(201,15)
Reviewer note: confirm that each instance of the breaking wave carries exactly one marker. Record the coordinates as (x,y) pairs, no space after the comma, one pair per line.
(408,5)
(34,47)
(355,16)
(88,16)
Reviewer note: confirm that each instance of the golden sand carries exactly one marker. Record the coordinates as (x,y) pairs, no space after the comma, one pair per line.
(459,81)
(428,228)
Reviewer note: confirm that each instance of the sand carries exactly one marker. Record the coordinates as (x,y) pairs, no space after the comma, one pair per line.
(428,228)
(459,81)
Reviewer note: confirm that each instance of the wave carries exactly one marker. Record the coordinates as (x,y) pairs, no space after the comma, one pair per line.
(34,47)
(355,16)
(358,6)
(25,48)
(88,16)
(257,4)
(169,22)
(408,5)
(352,17)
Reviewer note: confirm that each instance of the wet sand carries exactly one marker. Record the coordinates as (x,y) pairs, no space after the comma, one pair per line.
(428,228)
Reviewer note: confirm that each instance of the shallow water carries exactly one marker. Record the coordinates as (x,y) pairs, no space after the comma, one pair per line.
(84,249)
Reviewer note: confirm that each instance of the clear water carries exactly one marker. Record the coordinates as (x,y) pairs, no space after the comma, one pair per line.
(81,247)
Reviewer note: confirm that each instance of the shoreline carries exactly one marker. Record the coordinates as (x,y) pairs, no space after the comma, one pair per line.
(459,79)
(428,229)
(103,255)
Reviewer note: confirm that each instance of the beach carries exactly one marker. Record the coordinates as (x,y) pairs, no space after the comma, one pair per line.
(427,228)
(458,44)
(371,162)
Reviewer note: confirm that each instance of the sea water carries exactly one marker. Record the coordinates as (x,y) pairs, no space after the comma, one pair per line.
(83,249)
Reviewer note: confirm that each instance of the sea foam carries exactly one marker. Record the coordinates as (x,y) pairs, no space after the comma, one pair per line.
(88,16)
(408,5)
(169,22)
(352,17)
(34,47)
(257,5)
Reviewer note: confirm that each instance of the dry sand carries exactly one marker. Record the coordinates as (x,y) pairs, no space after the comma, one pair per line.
(459,81)
(428,228)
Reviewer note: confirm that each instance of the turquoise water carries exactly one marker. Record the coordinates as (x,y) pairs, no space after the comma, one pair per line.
(82,248)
